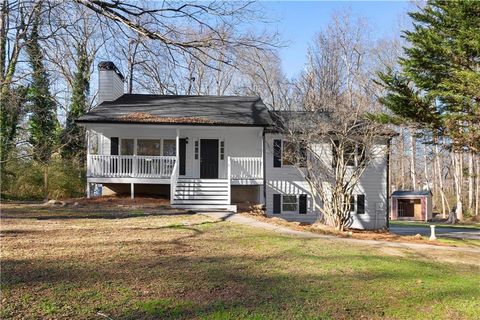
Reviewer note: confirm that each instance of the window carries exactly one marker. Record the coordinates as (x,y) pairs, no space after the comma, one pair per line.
(352,203)
(169,147)
(352,154)
(148,147)
(360,204)
(349,154)
(289,203)
(93,142)
(288,153)
(196,149)
(222,150)
(126,147)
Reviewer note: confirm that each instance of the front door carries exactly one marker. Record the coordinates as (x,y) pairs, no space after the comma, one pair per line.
(209,158)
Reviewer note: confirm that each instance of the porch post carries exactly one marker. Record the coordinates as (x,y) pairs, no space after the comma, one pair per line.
(132,191)
(177,144)
(88,190)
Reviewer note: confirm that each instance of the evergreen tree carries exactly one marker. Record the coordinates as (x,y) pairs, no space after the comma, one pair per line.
(73,137)
(43,125)
(438,86)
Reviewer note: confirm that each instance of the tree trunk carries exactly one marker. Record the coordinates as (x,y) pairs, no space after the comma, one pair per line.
(413,156)
(440,183)
(477,191)
(471,181)
(402,159)
(457,164)
(45,183)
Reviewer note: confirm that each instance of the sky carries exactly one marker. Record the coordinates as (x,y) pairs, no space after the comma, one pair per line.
(299,21)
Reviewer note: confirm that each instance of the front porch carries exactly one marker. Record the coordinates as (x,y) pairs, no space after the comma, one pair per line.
(159,169)
(161,155)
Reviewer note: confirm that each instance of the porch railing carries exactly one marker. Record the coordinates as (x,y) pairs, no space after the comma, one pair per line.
(246,168)
(130,166)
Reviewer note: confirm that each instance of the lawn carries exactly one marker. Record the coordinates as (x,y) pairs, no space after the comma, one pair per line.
(184,266)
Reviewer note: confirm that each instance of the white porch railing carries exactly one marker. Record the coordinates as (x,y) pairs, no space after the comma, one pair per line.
(173,181)
(130,166)
(246,168)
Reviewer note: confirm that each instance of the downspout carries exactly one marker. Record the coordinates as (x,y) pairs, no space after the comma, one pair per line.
(388,183)
(264,171)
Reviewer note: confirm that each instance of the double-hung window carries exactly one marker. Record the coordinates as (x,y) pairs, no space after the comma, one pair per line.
(289,203)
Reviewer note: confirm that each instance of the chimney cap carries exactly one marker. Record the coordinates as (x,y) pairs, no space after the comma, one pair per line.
(109,65)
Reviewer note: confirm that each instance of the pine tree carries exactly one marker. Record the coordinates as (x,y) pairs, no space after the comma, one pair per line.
(438,85)
(43,125)
(73,137)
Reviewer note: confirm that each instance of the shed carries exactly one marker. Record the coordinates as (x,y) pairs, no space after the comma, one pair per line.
(411,205)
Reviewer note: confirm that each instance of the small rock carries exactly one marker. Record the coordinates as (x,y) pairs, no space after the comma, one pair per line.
(418,236)
(75,204)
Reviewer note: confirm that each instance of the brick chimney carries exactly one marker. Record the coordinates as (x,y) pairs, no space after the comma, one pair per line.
(110,82)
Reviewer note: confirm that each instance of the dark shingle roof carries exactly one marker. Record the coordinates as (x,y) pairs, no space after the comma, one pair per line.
(411,193)
(173,109)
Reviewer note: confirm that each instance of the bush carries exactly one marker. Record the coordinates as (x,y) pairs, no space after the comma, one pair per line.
(23,180)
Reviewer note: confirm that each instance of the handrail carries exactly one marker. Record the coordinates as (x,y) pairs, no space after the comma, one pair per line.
(173,181)
(229,179)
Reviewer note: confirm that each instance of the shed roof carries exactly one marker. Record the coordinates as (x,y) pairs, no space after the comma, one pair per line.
(411,193)
(179,109)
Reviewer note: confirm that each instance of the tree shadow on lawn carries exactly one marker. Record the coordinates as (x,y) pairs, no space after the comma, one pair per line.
(72,214)
(185,285)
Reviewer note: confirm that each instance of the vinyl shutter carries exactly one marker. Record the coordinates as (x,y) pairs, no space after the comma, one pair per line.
(277,203)
(277,153)
(302,204)
(114,146)
(360,204)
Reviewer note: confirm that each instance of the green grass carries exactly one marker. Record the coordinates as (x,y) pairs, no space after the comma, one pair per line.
(190,267)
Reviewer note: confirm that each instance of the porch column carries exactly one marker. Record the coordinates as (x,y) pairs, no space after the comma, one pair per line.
(132,191)
(88,190)
(177,144)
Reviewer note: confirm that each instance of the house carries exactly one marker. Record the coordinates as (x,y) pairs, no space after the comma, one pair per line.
(206,152)
(411,205)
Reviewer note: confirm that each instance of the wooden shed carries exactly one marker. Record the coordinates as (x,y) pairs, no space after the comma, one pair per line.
(411,205)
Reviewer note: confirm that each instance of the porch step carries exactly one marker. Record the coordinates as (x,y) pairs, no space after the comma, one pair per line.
(201,194)
(201,201)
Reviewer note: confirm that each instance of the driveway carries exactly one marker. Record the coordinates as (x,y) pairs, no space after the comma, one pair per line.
(464,233)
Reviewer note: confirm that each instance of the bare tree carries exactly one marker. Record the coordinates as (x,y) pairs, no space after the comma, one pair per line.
(332,141)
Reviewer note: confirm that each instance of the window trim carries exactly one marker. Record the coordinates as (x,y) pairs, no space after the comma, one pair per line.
(296,203)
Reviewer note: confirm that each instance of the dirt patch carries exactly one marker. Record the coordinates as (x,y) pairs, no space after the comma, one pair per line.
(381,235)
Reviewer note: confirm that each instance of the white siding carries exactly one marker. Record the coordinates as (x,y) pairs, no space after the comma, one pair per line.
(239,141)
(289,180)
(286,180)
